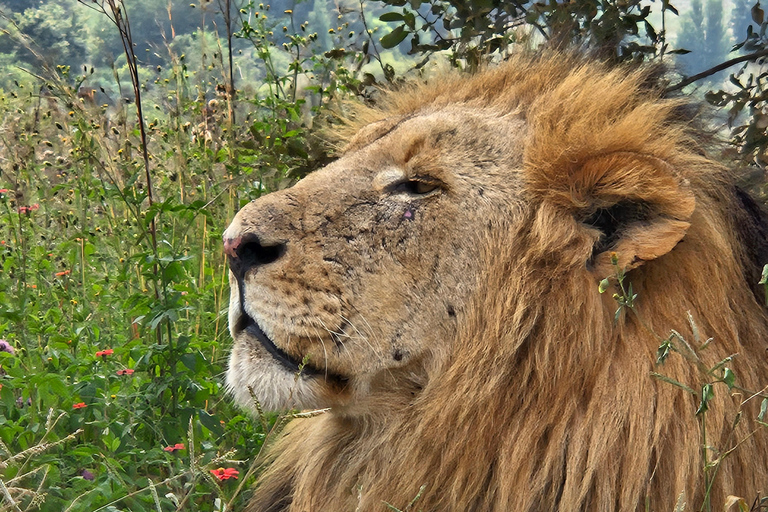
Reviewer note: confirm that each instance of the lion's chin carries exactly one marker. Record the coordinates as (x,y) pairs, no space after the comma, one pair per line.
(254,376)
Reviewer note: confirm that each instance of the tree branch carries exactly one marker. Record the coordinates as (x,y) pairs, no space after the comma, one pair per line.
(717,69)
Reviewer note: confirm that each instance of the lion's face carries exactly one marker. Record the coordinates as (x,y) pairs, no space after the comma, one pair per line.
(358,272)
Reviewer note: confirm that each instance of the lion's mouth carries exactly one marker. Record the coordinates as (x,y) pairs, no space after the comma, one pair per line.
(250,326)
(304,367)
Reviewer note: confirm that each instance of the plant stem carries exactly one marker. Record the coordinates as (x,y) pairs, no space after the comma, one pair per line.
(716,69)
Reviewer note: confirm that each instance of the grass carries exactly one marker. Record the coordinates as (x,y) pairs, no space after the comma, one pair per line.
(113,284)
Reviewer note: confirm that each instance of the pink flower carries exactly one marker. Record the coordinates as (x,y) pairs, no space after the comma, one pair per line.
(177,446)
(6,347)
(29,209)
(126,371)
(225,474)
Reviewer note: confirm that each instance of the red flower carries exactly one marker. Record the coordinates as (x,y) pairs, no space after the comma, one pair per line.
(105,353)
(127,371)
(79,405)
(29,209)
(3,190)
(177,446)
(64,273)
(224,474)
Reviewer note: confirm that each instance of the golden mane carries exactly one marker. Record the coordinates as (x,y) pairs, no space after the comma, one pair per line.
(546,401)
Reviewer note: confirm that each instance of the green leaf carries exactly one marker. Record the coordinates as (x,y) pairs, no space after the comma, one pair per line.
(764,276)
(604,284)
(394,38)
(6,395)
(192,360)
(729,378)
(664,350)
(672,381)
(763,409)
(707,393)
(211,422)
(764,281)
(391,16)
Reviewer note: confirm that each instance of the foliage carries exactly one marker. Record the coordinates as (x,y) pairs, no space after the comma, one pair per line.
(719,376)
(113,287)
(473,31)
(54,27)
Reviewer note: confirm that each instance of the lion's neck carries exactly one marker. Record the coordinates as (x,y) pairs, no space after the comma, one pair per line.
(488,442)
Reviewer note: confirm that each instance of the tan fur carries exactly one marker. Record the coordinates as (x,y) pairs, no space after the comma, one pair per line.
(473,354)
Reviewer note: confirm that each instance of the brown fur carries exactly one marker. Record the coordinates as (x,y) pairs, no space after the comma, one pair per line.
(473,354)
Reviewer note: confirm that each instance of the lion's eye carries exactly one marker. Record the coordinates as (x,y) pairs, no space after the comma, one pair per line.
(417,187)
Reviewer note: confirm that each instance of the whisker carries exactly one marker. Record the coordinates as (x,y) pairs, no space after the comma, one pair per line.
(322,343)
(377,352)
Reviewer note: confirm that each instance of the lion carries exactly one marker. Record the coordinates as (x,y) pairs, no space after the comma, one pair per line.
(436,288)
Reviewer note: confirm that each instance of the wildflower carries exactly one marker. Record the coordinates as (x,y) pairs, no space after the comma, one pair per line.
(105,353)
(63,273)
(78,405)
(6,347)
(87,475)
(4,191)
(225,474)
(126,371)
(171,449)
(29,209)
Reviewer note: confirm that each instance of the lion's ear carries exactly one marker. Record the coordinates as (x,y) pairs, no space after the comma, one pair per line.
(638,207)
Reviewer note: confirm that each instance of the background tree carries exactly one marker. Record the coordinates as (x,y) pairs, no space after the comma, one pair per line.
(55,28)
(703,34)
(741,19)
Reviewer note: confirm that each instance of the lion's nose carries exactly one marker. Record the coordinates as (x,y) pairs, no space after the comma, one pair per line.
(246,252)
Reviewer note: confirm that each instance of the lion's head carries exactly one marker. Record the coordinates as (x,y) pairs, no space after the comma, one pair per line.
(360,270)
(436,287)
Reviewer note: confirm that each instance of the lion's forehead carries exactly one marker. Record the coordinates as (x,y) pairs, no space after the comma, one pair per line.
(453,144)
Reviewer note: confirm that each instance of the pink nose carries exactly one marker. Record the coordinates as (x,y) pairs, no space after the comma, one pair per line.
(231,245)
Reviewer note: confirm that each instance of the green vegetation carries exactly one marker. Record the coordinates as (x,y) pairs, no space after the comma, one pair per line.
(118,173)
(113,285)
